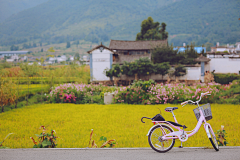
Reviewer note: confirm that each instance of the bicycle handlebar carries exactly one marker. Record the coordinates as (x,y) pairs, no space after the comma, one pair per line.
(202,94)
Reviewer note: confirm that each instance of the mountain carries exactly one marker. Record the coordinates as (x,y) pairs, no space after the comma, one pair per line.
(9,7)
(57,21)
(202,21)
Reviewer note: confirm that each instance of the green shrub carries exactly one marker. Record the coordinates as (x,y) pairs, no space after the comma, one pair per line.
(143,84)
(225,78)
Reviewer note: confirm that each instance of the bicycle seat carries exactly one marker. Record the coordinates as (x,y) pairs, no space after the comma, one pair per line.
(170,109)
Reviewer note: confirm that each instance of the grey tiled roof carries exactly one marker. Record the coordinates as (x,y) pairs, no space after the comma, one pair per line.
(136,45)
(202,59)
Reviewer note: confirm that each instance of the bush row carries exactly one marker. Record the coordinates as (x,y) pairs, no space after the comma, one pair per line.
(145,92)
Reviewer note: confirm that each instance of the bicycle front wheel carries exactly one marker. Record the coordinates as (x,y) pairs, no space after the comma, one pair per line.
(213,139)
(155,141)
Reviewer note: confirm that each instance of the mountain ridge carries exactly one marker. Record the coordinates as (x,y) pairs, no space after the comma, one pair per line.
(58,21)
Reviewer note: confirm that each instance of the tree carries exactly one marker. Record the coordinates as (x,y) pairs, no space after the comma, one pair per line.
(189,55)
(151,30)
(51,49)
(162,54)
(68,45)
(14,48)
(162,68)
(113,72)
(180,70)
(138,68)
(34,45)
(208,46)
(42,50)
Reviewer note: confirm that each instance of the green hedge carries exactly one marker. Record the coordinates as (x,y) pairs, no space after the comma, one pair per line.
(225,78)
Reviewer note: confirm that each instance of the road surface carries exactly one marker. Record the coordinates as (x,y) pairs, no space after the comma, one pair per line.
(225,153)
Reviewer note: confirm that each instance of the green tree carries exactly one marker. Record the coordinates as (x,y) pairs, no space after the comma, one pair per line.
(162,54)
(34,45)
(208,46)
(151,30)
(189,55)
(68,45)
(180,70)
(139,68)
(115,71)
(162,68)
(14,48)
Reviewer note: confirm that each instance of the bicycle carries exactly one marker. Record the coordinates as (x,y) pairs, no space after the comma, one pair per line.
(161,136)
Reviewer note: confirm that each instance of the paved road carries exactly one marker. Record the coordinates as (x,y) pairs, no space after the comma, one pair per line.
(226,153)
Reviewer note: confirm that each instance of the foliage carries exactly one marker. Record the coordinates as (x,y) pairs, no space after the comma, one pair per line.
(225,78)
(144,85)
(46,140)
(78,93)
(169,93)
(162,54)
(109,143)
(7,92)
(114,121)
(230,94)
(51,49)
(114,72)
(189,55)
(162,68)
(1,146)
(221,136)
(152,30)
(68,45)
(180,70)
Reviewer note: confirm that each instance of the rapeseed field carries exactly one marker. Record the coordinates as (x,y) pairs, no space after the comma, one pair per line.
(73,124)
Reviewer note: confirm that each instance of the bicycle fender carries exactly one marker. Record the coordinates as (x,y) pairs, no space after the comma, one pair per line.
(159,125)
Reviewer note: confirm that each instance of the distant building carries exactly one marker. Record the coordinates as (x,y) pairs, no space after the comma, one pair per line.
(237,49)
(224,59)
(183,48)
(228,48)
(52,60)
(11,53)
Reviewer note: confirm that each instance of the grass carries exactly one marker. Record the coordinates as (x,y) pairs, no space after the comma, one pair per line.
(73,124)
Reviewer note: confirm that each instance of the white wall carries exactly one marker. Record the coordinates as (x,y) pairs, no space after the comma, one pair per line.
(225,65)
(193,73)
(100,61)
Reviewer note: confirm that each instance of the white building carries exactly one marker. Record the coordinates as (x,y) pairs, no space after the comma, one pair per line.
(101,58)
(52,60)
(11,53)
(237,49)
(228,48)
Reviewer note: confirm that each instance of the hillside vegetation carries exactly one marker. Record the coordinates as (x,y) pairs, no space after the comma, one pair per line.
(9,7)
(58,21)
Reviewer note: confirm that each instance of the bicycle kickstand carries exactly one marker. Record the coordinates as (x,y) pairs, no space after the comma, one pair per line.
(181,141)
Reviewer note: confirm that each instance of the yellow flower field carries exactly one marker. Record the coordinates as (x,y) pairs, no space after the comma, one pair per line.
(73,124)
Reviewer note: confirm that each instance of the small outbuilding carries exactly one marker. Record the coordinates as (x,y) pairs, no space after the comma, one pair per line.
(101,58)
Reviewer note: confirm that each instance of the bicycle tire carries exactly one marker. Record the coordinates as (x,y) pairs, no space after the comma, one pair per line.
(213,139)
(154,142)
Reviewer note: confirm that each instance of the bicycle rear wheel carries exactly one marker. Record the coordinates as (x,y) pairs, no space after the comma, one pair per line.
(213,139)
(155,141)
